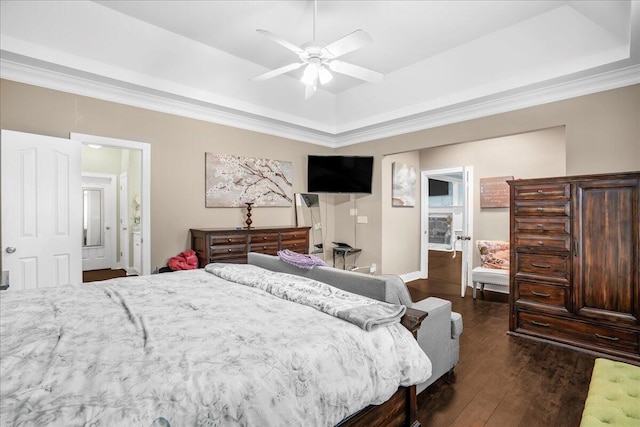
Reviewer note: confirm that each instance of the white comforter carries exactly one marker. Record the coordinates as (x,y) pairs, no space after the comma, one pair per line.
(190,349)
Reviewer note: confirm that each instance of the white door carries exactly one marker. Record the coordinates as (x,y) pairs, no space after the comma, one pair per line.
(124,222)
(41,210)
(465,241)
(99,221)
(460,214)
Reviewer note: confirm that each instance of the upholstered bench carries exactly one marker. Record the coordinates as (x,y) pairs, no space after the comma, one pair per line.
(492,276)
(614,395)
(494,270)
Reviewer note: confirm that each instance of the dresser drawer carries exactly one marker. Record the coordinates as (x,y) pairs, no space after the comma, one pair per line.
(227,239)
(547,208)
(300,246)
(545,266)
(542,225)
(269,248)
(541,293)
(543,191)
(264,238)
(293,235)
(219,252)
(546,241)
(572,331)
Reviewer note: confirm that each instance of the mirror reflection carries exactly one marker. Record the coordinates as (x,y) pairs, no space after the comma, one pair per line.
(308,215)
(92,205)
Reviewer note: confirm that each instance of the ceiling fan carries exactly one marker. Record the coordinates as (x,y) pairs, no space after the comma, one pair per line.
(320,59)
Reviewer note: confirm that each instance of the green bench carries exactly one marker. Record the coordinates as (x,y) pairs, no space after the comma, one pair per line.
(614,395)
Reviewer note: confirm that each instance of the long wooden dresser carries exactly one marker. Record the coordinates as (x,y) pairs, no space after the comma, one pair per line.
(575,262)
(233,245)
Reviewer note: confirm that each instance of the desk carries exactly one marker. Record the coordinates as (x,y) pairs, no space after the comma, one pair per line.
(344,252)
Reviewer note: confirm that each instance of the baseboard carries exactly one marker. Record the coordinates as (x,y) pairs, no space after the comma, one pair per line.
(131,271)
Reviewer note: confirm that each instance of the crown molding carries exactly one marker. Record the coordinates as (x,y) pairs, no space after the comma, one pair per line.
(142,97)
(495,104)
(111,90)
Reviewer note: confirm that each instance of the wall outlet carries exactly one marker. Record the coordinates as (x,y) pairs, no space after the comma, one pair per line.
(353,212)
(373,268)
(363,220)
(317,226)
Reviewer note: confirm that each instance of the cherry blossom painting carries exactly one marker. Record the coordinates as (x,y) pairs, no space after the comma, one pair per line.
(232,181)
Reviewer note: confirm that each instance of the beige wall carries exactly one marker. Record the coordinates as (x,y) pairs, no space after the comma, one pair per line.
(401,231)
(602,135)
(177,144)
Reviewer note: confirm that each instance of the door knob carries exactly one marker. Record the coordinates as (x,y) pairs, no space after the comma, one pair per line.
(10,249)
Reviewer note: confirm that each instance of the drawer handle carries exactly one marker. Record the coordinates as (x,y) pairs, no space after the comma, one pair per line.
(604,337)
(541,265)
(264,247)
(229,239)
(540,209)
(229,250)
(264,237)
(540,243)
(540,191)
(544,325)
(540,294)
(540,226)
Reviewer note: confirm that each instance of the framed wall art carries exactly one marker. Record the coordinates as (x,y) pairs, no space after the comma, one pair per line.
(494,192)
(403,193)
(233,181)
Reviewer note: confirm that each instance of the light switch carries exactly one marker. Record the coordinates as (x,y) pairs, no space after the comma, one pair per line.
(363,220)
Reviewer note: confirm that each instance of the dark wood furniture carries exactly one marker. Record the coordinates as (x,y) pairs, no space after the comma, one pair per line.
(575,262)
(233,245)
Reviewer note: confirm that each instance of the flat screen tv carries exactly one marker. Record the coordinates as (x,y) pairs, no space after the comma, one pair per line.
(340,174)
(438,188)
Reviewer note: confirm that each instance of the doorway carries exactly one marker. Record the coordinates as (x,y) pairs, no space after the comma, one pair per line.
(138,204)
(447,225)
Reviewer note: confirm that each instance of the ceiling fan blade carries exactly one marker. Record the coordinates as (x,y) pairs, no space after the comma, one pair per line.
(277,71)
(348,43)
(292,47)
(355,71)
(309,91)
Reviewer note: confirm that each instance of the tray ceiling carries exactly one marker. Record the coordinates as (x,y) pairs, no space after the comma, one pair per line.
(443,61)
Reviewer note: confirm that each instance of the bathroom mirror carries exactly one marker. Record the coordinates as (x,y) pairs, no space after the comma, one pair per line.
(92,217)
(308,215)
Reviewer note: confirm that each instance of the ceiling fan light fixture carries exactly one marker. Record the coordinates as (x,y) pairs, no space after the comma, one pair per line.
(324,75)
(310,74)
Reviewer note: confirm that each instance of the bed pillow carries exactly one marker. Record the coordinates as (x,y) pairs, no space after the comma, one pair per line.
(494,254)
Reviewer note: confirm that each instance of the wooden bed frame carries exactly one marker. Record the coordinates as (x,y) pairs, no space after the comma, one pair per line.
(401,410)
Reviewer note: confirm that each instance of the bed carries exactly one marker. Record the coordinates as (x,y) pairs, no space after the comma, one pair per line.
(229,345)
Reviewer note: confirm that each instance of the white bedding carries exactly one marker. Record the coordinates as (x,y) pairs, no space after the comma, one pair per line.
(187,349)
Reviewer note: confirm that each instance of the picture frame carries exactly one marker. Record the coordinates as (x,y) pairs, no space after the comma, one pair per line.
(404,178)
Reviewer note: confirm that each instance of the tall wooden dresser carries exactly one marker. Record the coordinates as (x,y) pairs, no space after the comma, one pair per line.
(233,245)
(575,262)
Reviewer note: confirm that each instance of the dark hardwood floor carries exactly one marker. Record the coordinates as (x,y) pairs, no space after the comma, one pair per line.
(97,275)
(501,380)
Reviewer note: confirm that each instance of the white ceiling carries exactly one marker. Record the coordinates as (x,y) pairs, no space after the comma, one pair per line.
(444,61)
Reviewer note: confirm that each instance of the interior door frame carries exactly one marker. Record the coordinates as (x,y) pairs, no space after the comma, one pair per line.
(467,258)
(145,184)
